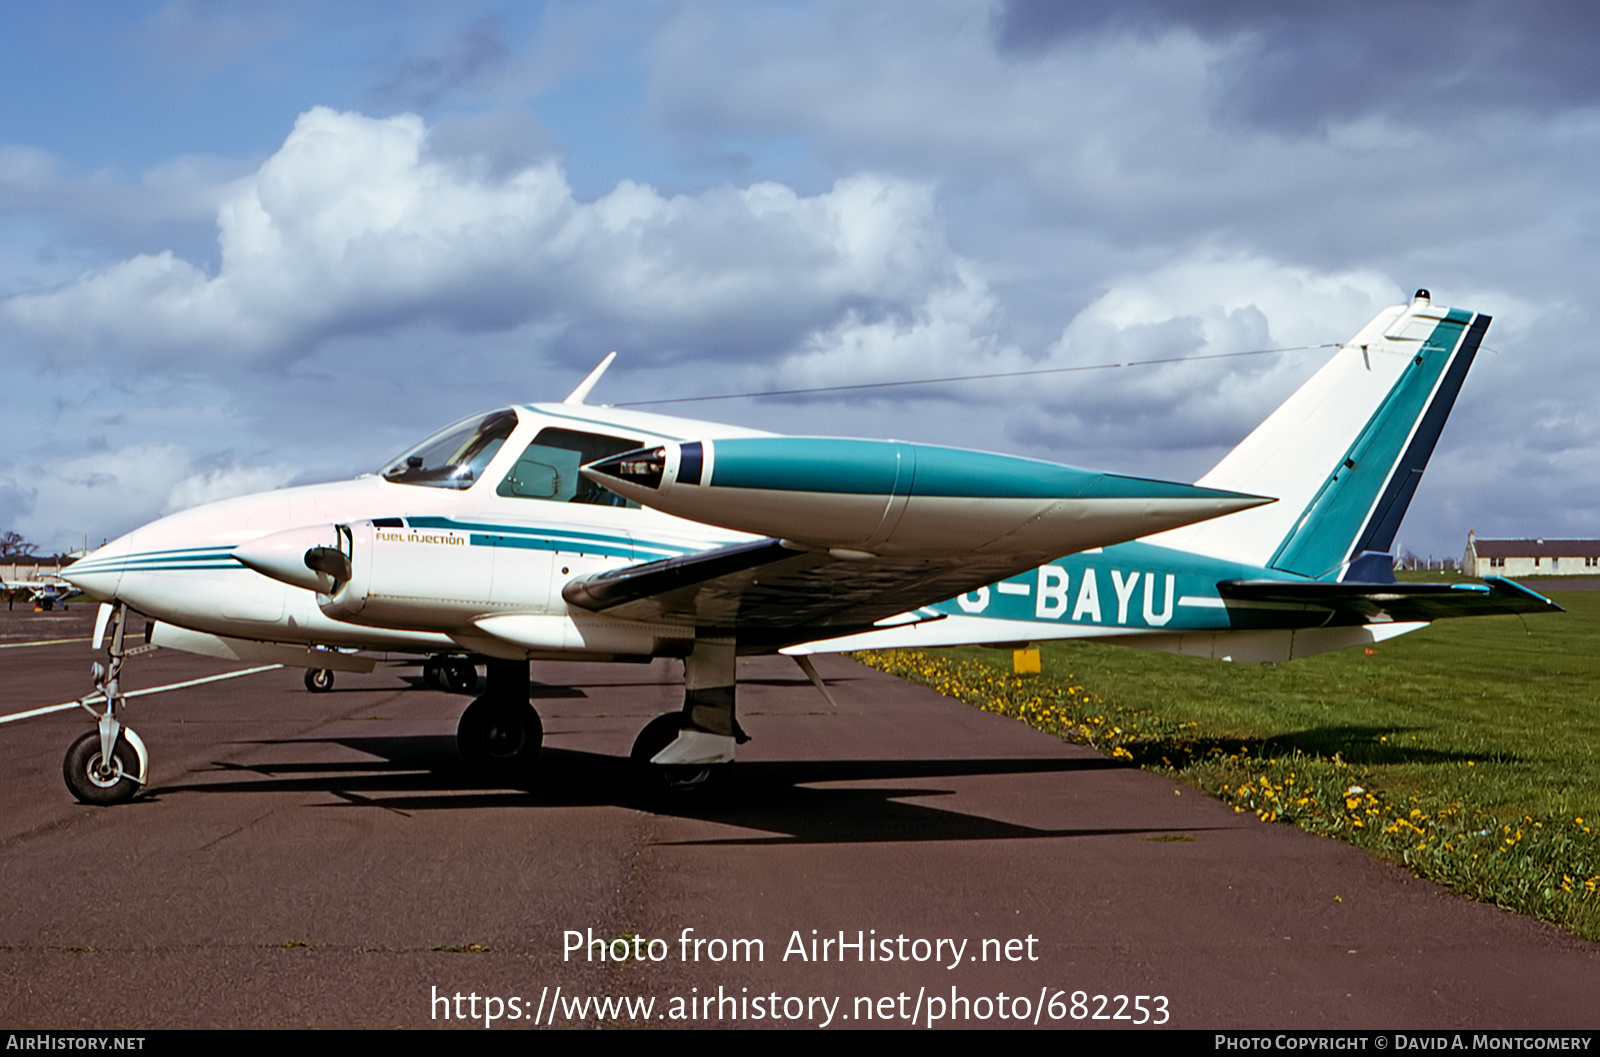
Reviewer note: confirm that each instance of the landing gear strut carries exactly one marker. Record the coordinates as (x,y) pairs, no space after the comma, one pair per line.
(688,751)
(109,764)
(500,733)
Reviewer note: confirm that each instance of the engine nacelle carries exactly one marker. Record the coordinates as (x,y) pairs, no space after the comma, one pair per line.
(494,592)
(866,497)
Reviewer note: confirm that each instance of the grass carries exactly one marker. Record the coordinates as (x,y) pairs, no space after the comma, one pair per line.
(1466,751)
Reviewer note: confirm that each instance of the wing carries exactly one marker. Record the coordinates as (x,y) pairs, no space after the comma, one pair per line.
(1365,603)
(775,593)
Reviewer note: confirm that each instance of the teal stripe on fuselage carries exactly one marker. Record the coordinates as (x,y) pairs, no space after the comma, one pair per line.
(541,543)
(545,537)
(480,535)
(221,551)
(185,558)
(1336,515)
(558,538)
(1134,587)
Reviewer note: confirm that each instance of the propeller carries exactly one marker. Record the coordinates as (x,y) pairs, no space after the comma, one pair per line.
(300,557)
(330,562)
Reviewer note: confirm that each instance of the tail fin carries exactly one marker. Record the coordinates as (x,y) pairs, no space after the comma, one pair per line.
(1345,453)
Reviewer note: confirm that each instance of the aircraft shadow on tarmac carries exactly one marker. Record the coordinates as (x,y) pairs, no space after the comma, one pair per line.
(1365,746)
(777,798)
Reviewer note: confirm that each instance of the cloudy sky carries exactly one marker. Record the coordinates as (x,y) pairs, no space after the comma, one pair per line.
(248,245)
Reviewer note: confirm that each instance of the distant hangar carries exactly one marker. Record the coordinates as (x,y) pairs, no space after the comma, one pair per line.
(1530,557)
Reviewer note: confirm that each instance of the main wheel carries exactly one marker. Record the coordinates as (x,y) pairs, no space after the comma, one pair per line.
(431,670)
(92,780)
(319,680)
(499,736)
(459,676)
(680,779)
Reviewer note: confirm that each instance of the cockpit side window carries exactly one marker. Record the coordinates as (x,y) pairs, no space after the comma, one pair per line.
(548,468)
(456,456)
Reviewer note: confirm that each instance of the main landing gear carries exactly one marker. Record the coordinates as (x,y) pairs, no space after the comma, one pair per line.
(109,764)
(688,752)
(679,753)
(500,733)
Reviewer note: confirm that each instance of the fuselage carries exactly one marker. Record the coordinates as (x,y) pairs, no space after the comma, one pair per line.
(465,544)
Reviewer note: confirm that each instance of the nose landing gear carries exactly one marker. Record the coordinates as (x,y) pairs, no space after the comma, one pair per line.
(109,764)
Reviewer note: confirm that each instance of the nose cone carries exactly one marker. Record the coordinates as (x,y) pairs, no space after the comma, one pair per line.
(98,574)
(302,557)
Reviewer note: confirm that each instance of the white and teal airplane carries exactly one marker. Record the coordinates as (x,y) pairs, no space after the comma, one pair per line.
(571,531)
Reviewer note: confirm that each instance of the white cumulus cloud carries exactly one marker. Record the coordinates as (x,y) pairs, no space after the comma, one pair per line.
(354,225)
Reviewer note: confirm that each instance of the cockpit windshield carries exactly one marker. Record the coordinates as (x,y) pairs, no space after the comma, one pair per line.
(454,457)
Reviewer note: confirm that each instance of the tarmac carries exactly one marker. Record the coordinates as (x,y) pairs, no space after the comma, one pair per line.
(324,860)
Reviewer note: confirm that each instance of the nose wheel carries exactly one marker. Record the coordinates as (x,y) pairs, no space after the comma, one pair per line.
(96,778)
(109,764)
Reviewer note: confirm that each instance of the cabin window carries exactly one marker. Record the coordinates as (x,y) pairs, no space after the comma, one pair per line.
(548,468)
(456,456)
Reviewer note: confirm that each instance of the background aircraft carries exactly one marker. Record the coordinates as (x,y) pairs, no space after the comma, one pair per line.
(42,593)
(568,531)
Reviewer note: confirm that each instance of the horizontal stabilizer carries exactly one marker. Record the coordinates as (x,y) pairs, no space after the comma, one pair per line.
(1395,601)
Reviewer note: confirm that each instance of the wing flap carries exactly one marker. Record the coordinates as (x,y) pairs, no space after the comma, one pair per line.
(1395,601)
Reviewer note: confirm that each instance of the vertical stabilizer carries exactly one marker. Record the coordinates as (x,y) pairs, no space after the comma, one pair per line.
(1345,453)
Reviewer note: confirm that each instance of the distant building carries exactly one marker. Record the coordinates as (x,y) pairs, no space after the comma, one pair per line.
(1535,557)
(32,567)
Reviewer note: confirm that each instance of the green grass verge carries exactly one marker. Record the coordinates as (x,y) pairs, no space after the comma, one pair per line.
(1467,751)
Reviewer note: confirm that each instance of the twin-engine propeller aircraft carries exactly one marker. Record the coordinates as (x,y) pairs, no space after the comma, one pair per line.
(569,531)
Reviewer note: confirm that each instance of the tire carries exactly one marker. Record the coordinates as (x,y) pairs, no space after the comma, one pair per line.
(319,680)
(81,769)
(431,670)
(499,737)
(458,676)
(672,779)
